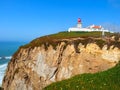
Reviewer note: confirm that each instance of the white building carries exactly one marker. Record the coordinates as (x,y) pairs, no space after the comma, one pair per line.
(87,29)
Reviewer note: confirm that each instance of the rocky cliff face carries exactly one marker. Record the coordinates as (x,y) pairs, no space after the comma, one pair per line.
(35,68)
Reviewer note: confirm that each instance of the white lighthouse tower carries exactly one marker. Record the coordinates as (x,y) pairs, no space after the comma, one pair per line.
(79,25)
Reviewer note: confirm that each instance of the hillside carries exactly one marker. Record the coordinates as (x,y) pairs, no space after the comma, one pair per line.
(54,39)
(106,80)
(60,56)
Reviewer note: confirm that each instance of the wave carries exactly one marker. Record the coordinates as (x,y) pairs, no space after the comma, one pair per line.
(6,57)
(2,71)
(3,66)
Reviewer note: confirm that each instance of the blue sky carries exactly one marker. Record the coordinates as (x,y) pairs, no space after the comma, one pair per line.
(22,20)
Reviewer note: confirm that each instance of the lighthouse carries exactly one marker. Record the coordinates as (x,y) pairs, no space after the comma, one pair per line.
(79,24)
(91,28)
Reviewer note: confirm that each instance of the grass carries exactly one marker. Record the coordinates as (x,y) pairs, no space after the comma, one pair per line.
(106,80)
(54,39)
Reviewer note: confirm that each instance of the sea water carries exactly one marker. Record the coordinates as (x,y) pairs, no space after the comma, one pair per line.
(7,49)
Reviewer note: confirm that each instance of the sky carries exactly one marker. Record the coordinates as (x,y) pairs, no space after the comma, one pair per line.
(25,20)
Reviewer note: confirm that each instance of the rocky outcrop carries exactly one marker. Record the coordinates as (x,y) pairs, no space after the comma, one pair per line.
(35,68)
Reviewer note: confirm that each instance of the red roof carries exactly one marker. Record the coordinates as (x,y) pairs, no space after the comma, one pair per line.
(96,27)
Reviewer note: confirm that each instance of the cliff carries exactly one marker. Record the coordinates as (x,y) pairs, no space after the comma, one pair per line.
(46,60)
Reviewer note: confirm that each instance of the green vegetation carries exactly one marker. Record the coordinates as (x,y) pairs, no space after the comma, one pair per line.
(100,43)
(54,39)
(106,80)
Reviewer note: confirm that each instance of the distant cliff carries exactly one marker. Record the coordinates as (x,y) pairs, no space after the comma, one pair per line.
(48,59)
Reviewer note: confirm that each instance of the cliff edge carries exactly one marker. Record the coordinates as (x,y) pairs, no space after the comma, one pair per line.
(50,59)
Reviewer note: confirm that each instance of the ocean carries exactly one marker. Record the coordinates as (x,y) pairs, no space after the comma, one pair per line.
(7,49)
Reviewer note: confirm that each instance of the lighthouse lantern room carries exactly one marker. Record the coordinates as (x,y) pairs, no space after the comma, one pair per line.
(79,25)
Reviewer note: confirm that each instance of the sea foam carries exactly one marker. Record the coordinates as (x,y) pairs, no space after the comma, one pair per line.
(6,57)
(2,71)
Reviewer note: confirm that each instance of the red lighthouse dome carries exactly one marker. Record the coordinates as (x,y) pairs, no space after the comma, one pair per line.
(79,20)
